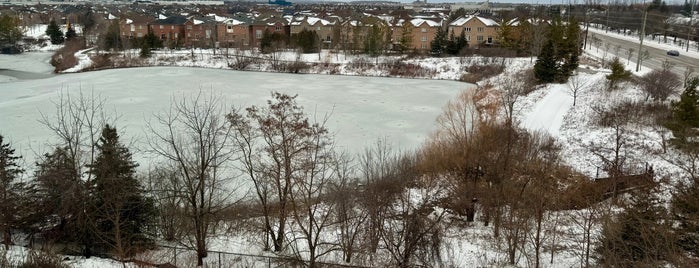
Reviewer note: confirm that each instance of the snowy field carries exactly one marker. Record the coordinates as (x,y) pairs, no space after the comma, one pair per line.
(361,109)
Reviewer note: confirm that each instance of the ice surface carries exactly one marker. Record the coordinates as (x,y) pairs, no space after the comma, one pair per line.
(361,109)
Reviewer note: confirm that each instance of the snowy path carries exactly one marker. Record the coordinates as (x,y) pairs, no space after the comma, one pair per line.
(548,113)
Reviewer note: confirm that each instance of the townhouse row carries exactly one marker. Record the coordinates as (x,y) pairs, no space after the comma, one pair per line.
(217,31)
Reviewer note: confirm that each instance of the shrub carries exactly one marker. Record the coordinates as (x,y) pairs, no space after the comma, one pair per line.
(479,72)
(65,58)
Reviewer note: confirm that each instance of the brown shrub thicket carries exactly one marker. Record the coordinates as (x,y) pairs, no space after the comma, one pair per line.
(478,72)
(65,58)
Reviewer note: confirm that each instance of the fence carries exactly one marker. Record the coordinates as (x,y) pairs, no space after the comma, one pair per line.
(185,257)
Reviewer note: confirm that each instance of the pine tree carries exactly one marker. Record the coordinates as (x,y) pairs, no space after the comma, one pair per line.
(10,191)
(121,210)
(71,34)
(545,69)
(639,236)
(54,33)
(685,117)
(60,191)
(438,45)
(618,74)
(685,210)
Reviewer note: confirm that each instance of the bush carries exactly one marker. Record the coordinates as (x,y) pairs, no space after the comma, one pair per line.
(479,72)
(41,259)
(402,69)
(65,58)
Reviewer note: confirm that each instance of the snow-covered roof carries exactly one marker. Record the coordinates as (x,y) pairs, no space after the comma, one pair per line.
(430,23)
(161,17)
(111,17)
(311,21)
(463,20)
(197,22)
(129,21)
(232,22)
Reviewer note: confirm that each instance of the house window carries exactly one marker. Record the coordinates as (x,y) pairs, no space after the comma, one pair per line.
(480,29)
(327,38)
(140,27)
(162,36)
(279,28)
(208,34)
(424,30)
(189,35)
(162,27)
(423,38)
(468,29)
(423,46)
(479,38)
(172,27)
(258,34)
(196,36)
(133,28)
(468,38)
(139,34)
(318,28)
(229,28)
(490,39)
(189,27)
(177,35)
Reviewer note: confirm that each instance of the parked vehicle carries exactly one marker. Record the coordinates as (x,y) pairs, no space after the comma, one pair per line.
(673,52)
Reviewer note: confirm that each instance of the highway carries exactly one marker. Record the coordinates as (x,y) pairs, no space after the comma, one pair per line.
(657,56)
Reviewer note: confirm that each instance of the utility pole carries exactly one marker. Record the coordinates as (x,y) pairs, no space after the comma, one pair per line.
(606,28)
(689,29)
(640,46)
(587,28)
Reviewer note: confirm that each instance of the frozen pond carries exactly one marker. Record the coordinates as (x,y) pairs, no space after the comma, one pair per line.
(362,109)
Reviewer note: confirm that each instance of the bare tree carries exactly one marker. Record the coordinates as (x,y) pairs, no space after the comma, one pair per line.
(576,86)
(629,54)
(277,143)
(660,84)
(311,211)
(193,136)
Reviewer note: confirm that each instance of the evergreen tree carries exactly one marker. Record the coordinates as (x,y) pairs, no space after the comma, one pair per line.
(452,48)
(685,210)
(639,236)
(10,32)
(618,74)
(685,117)
(545,69)
(571,50)
(60,192)
(374,42)
(111,39)
(438,46)
(121,211)
(307,41)
(70,34)
(406,37)
(54,33)
(10,191)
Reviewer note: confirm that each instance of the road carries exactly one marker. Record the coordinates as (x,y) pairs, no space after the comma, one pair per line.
(657,56)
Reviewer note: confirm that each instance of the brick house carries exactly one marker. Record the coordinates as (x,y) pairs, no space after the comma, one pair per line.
(170,30)
(422,32)
(479,31)
(323,28)
(233,33)
(134,26)
(274,24)
(200,32)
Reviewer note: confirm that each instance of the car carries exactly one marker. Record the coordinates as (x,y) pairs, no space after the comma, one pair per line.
(673,52)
